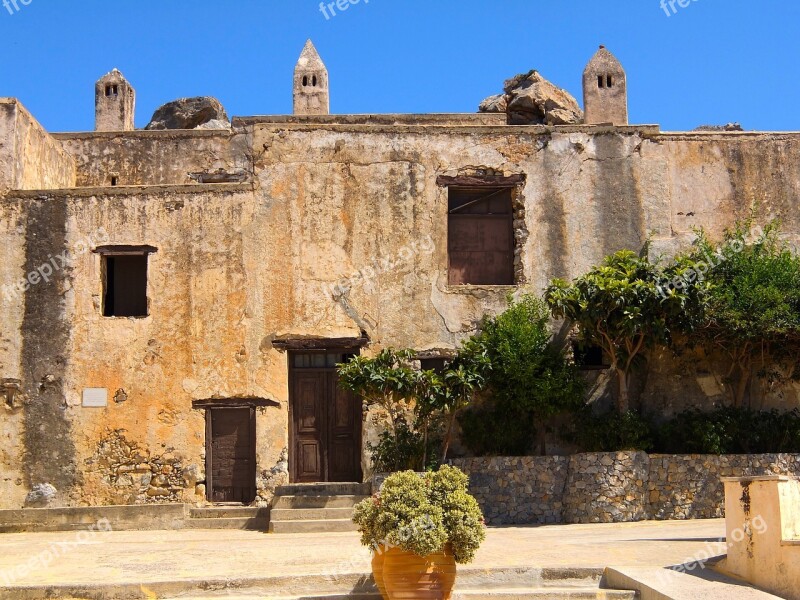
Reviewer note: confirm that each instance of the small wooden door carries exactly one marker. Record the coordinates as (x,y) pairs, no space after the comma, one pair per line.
(325,421)
(230,455)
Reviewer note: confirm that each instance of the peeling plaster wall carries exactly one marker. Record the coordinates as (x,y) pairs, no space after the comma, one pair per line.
(30,159)
(343,229)
(154,157)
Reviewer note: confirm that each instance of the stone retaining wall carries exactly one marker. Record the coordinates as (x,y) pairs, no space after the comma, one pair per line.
(611,487)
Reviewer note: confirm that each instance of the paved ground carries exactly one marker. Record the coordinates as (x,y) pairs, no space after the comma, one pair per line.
(151,556)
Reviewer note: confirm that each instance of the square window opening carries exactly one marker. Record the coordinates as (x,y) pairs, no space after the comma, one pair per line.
(480,236)
(438,364)
(125,285)
(589,357)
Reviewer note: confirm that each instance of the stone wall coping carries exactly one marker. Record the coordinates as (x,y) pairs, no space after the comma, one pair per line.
(144,133)
(755,478)
(131,190)
(445,128)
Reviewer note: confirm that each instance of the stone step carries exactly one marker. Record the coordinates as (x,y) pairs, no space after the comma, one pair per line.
(310,514)
(250,523)
(316,501)
(312,526)
(324,489)
(552,593)
(504,583)
(227,512)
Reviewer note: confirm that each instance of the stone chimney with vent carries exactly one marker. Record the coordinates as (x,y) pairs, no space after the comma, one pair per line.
(311,92)
(114,103)
(605,90)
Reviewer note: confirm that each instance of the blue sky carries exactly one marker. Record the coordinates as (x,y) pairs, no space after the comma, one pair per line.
(713,61)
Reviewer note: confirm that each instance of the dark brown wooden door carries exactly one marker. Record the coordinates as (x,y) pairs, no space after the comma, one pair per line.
(325,422)
(230,455)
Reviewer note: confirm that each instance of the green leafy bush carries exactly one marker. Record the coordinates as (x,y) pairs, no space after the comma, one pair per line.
(731,430)
(611,432)
(423,514)
(751,303)
(497,430)
(404,447)
(622,307)
(528,377)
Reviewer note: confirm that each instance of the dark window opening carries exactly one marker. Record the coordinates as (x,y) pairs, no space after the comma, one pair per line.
(125,293)
(314,81)
(112,90)
(305,80)
(601,81)
(480,236)
(114,180)
(436,364)
(609,81)
(589,357)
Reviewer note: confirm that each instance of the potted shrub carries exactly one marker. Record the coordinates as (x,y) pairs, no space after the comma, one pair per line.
(418,527)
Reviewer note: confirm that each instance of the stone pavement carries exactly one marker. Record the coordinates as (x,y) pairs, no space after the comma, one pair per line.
(142,557)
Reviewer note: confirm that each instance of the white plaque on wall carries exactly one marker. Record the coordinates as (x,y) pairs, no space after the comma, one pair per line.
(95,397)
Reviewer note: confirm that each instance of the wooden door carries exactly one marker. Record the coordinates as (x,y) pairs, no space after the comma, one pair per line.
(230,455)
(308,406)
(325,430)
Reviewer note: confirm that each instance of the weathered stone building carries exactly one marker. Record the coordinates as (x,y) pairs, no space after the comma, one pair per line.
(162,289)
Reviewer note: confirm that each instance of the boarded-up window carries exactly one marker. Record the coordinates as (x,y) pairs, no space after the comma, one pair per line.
(125,293)
(480,236)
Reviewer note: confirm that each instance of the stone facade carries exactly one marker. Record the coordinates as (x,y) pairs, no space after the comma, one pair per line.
(316,228)
(611,487)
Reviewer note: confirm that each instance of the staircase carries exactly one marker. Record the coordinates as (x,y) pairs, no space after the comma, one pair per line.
(472,584)
(228,517)
(316,507)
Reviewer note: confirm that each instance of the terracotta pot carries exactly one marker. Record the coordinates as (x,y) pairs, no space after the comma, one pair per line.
(411,577)
(378,559)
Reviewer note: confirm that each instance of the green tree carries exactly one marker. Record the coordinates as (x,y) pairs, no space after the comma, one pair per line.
(528,374)
(388,380)
(751,308)
(625,306)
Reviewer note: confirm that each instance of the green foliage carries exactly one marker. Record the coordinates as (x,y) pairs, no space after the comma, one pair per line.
(727,430)
(497,430)
(423,514)
(622,307)
(404,447)
(388,380)
(422,406)
(751,303)
(528,377)
(612,432)
(461,513)
(731,430)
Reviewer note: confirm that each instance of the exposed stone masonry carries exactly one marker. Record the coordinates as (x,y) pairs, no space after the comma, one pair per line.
(611,487)
(137,477)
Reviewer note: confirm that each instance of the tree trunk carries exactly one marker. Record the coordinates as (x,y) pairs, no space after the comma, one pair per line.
(541,434)
(425,445)
(623,398)
(447,437)
(741,385)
